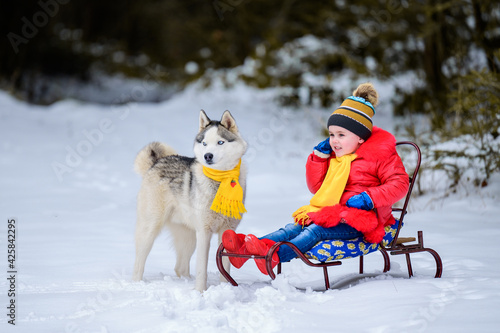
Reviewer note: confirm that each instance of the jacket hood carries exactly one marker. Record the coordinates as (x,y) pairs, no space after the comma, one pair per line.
(381,144)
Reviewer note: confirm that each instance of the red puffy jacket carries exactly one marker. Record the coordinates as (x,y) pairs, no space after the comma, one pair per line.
(377,169)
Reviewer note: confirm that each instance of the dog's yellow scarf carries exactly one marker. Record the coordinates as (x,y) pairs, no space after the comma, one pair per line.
(331,189)
(229,197)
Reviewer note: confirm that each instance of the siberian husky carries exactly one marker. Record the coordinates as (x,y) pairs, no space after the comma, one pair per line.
(176,194)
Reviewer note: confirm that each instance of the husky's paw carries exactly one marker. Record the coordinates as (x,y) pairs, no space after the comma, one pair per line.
(182,271)
(137,277)
(201,287)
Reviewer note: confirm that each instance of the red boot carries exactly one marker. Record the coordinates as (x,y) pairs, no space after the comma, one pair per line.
(235,243)
(260,247)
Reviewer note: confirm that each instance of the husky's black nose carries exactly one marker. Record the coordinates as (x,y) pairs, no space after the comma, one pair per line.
(209,158)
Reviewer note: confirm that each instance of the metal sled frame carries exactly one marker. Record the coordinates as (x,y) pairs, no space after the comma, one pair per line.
(396,247)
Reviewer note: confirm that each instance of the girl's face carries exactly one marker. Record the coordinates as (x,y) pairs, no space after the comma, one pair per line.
(343,141)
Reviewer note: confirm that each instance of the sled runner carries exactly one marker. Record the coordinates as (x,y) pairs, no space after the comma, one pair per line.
(329,252)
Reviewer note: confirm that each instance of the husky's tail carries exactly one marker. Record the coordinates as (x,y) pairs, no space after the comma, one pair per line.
(148,156)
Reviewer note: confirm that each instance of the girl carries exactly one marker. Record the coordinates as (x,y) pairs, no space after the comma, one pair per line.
(356,176)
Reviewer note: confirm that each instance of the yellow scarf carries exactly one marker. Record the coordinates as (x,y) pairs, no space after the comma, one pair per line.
(330,191)
(229,197)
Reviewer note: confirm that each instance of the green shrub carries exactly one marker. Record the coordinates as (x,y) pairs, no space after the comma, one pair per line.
(468,147)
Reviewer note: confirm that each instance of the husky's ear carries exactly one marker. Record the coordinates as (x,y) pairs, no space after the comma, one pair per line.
(204,120)
(228,122)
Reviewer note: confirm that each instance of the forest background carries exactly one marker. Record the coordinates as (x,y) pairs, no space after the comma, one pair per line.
(447,50)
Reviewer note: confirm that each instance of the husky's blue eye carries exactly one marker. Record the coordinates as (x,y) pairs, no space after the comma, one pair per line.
(204,143)
(220,142)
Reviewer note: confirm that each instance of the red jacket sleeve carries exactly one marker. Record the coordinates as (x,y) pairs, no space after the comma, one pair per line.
(316,168)
(394,182)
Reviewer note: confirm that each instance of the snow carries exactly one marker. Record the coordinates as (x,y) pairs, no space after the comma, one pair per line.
(69,184)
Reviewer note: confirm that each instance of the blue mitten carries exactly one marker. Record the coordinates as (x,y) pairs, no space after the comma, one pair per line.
(360,201)
(324,147)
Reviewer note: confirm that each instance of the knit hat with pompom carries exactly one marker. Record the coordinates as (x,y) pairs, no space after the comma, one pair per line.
(356,112)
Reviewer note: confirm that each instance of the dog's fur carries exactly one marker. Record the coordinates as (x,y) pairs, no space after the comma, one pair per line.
(176,194)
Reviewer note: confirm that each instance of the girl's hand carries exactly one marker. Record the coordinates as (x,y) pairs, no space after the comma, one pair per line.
(360,201)
(324,147)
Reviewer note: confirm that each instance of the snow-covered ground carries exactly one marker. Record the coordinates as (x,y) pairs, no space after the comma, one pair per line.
(67,180)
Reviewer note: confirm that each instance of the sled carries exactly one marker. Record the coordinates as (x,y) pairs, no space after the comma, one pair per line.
(329,252)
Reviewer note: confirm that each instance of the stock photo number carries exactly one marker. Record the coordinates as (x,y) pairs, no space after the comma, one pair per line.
(11,270)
